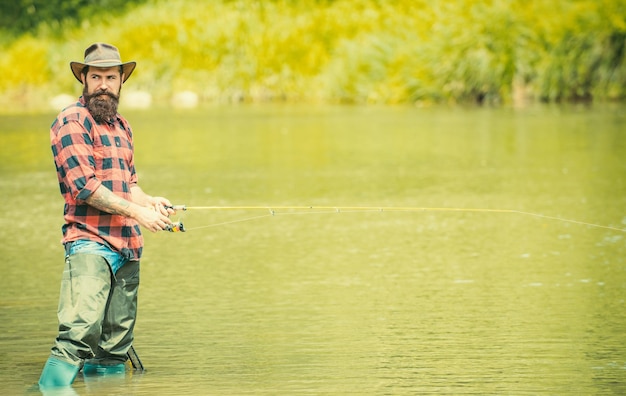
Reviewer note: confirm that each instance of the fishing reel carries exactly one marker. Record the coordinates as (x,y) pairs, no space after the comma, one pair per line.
(175,227)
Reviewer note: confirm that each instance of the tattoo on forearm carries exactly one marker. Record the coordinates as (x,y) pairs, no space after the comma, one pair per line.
(107,201)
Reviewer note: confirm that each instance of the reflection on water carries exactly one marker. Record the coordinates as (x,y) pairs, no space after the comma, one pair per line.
(427,302)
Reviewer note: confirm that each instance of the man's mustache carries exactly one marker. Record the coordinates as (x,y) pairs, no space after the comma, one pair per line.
(107,93)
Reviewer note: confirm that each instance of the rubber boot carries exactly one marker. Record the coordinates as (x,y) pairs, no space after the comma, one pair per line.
(57,373)
(91,368)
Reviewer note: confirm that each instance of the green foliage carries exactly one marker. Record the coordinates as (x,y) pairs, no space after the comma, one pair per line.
(25,16)
(349,51)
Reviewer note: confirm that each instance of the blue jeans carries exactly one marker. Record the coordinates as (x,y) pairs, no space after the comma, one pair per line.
(112,257)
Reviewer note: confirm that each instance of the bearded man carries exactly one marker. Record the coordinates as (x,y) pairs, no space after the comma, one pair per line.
(104,208)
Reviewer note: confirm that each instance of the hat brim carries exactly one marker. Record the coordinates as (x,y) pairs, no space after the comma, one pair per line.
(127,68)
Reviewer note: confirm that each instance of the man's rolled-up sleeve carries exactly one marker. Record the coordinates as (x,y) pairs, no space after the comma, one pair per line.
(73,154)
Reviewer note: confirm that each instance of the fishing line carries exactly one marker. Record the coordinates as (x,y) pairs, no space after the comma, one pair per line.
(293,210)
(228,222)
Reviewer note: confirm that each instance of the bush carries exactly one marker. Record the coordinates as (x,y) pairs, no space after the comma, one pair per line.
(348,51)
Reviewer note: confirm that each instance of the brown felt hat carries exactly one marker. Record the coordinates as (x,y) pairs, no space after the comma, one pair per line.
(102,55)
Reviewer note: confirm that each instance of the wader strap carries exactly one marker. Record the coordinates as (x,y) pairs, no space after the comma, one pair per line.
(68,246)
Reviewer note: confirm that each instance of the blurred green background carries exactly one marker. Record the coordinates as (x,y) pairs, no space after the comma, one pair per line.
(342,51)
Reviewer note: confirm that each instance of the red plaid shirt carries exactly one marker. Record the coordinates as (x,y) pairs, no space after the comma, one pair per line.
(87,155)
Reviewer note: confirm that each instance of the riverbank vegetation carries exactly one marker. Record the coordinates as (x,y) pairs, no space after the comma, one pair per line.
(341,51)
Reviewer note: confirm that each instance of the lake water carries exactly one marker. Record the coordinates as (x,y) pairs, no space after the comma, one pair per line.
(491,289)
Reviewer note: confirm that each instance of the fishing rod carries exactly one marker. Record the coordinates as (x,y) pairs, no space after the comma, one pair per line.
(273,210)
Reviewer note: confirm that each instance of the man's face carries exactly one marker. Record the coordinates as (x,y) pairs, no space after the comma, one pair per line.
(101,91)
(99,79)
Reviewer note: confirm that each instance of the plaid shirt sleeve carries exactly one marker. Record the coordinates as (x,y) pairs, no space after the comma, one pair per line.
(73,152)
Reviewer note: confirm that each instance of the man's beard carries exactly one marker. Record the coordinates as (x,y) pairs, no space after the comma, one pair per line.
(102,109)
